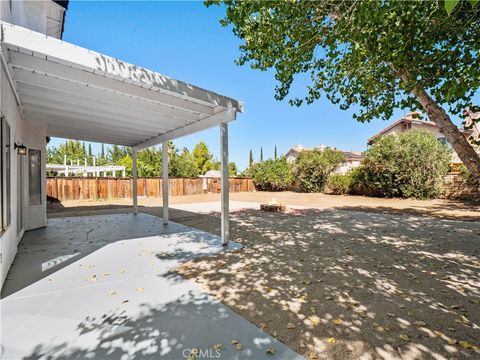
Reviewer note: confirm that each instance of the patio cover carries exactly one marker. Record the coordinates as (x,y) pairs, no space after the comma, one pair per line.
(84,95)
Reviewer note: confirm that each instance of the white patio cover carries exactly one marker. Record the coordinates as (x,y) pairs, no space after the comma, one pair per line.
(81,94)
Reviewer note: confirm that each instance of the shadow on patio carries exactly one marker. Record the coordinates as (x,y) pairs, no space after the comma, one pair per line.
(105,287)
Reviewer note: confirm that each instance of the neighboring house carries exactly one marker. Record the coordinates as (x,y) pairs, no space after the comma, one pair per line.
(352,158)
(412,121)
(51,88)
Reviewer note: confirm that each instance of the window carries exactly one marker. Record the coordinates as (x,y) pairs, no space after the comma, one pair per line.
(6,176)
(34,177)
(407,126)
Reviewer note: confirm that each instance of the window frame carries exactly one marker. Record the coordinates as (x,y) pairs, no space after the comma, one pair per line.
(40,201)
(6,174)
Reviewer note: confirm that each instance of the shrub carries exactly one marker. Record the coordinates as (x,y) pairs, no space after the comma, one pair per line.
(339,184)
(272,175)
(410,164)
(313,168)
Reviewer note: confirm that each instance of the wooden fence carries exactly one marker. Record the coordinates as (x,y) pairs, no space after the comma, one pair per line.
(94,188)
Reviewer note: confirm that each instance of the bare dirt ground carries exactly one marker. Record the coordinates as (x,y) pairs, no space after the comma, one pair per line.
(346,277)
(446,209)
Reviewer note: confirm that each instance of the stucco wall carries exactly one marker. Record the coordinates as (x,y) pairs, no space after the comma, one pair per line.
(32,136)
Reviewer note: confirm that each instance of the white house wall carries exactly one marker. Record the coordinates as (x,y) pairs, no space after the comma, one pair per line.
(32,136)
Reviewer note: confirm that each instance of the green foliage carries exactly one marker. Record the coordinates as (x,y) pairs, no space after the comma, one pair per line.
(74,150)
(339,184)
(410,164)
(203,157)
(183,165)
(232,169)
(313,168)
(275,153)
(149,161)
(261,154)
(355,52)
(272,175)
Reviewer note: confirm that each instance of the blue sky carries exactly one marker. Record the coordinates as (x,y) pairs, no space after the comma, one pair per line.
(184,40)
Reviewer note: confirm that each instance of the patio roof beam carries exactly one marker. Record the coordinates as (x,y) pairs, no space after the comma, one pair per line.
(34,44)
(87,136)
(215,120)
(64,100)
(84,112)
(70,88)
(55,70)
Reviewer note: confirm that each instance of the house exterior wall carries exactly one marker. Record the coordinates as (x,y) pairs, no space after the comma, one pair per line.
(10,238)
(33,136)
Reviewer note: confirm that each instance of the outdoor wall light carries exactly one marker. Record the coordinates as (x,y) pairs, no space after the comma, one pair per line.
(22,149)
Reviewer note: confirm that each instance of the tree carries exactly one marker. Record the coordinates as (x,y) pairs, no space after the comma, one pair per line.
(90,151)
(373,55)
(102,155)
(183,165)
(275,153)
(312,168)
(203,157)
(410,164)
(232,169)
(261,154)
(250,158)
(272,175)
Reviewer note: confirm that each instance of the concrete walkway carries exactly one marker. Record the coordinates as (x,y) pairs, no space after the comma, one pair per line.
(103,287)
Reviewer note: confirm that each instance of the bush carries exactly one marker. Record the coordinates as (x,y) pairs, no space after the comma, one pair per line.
(339,184)
(410,164)
(272,175)
(313,168)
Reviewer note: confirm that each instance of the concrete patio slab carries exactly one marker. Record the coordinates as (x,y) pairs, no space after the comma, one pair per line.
(103,287)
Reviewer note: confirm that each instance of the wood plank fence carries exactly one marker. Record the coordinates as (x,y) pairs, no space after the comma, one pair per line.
(96,188)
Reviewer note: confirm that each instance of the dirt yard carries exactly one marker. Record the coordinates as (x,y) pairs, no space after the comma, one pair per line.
(446,209)
(346,277)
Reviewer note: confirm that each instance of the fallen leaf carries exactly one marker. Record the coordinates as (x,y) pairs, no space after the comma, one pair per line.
(106,274)
(125,301)
(391,314)
(307,282)
(338,322)
(239,346)
(331,340)
(291,326)
(467,345)
(314,320)
(140,289)
(218,347)
(111,292)
(451,341)
(474,301)
(404,337)
(271,351)
(235,341)
(453,307)
(420,323)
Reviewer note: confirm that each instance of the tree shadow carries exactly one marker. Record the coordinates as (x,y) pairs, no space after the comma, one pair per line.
(382,285)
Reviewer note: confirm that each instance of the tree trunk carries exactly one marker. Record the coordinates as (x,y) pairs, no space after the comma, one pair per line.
(460,144)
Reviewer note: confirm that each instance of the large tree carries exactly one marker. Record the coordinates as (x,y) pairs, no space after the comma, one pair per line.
(374,55)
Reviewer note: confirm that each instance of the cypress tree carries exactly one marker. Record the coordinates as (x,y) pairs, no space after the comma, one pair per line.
(275,152)
(250,159)
(261,154)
